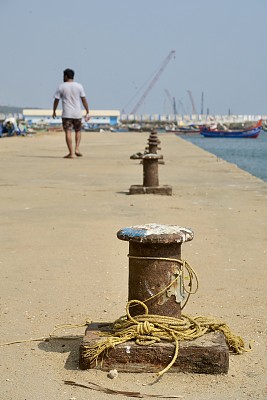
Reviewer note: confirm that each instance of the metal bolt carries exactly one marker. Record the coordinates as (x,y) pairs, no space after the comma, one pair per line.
(150,272)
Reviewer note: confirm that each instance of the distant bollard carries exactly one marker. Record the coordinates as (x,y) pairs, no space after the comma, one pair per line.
(150,170)
(153,142)
(152,147)
(150,163)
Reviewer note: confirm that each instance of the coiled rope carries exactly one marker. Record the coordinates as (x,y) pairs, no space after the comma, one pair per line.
(147,329)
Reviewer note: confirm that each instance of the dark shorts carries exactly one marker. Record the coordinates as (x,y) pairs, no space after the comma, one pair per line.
(71,123)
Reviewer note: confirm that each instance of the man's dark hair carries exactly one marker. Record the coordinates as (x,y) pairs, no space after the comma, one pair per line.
(69,73)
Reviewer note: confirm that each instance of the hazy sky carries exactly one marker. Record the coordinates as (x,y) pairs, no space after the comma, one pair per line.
(117,46)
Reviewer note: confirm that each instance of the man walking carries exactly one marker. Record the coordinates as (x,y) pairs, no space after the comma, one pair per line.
(72,94)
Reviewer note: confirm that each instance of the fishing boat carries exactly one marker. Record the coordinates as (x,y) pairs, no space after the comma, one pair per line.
(140,127)
(183,130)
(252,132)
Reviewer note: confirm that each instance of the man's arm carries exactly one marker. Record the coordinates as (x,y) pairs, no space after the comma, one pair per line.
(56,101)
(85,104)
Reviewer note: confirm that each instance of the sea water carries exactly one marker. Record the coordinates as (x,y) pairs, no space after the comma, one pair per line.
(248,154)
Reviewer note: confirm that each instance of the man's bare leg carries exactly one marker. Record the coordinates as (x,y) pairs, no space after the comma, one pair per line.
(78,137)
(69,144)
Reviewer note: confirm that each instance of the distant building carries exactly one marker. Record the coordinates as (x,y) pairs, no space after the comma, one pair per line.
(97,117)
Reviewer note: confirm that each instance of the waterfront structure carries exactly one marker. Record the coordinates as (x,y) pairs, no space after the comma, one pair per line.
(97,117)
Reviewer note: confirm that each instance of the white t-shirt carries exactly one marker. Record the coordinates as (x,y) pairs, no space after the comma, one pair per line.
(70,93)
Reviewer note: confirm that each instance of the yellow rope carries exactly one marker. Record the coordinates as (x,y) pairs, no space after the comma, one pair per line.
(147,329)
(52,334)
(184,266)
(69,326)
(23,341)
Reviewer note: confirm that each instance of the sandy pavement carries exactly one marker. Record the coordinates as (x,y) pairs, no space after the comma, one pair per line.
(61,261)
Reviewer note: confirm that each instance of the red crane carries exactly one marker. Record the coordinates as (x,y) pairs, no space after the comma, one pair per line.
(154,80)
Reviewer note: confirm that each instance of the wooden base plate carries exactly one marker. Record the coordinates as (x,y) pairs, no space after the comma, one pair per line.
(139,189)
(206,355)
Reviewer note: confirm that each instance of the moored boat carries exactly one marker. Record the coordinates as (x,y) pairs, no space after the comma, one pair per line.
(252,132)
(183,130)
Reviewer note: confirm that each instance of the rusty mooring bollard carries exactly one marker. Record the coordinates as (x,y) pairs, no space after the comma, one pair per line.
(152,147)
(155,279)
(150,170)
(150,163)
(153,249)
(153,142)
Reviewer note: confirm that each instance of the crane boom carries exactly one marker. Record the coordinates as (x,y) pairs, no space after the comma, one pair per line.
(192,101)
(174,106)
(182,106)
(202,103)
(154,80)
(172,101)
